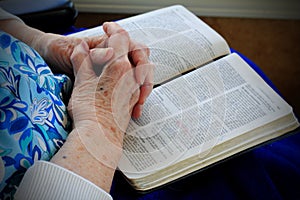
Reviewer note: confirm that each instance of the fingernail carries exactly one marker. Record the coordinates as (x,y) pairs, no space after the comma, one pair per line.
(137,112)
(104,25)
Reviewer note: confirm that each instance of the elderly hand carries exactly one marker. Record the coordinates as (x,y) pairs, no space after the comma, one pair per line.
(57,49)
(129,65)
(101,106)
(138,56)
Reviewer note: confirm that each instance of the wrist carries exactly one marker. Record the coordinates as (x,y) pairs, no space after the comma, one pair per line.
(21,31)
(40,42)
(93,163)
(94,130)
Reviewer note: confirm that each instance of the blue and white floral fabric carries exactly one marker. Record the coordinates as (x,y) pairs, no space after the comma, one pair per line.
(33,117)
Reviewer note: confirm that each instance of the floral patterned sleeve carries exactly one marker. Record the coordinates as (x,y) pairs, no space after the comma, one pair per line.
(33,117)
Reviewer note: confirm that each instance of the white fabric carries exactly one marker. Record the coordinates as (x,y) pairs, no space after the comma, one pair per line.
(28,6)
(45,180)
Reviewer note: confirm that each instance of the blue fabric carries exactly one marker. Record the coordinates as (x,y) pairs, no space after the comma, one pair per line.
(33,116)
(271,171)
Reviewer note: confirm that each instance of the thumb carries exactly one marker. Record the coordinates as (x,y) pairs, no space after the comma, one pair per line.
(81,61)
(99,57)
(85,60)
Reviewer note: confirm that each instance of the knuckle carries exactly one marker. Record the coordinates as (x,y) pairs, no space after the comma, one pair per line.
(122,63)
(123,32)
(143,48)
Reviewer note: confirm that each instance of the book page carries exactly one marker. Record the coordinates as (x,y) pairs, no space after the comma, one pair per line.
(177,39)
(197,111)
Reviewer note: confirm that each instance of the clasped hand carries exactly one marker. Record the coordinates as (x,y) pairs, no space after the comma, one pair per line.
(120,91)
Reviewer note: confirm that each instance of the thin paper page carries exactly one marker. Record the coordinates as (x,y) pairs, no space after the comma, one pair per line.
(197,111)
(177,39)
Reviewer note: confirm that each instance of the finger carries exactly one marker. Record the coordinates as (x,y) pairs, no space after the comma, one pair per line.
(79,56)
(145,91)
(137,111)
(96,41)
(100,56)
(111,28)
(144,72)
(139,48)
(145,78)
(82,64)
(118,38)
(120,43)
(117,68)
(140,58)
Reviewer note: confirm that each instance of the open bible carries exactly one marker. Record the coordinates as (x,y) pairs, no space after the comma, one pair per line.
(208,104)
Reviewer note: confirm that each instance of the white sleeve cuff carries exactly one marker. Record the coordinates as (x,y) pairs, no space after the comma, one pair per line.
(45,180)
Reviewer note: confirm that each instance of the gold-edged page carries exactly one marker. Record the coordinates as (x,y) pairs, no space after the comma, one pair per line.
(220,152)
